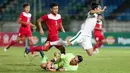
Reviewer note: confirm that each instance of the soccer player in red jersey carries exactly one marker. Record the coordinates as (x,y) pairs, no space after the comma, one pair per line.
(98,34)
(25,28)
(54,23)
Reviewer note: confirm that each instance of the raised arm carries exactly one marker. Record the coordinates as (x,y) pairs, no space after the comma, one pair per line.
(98,11)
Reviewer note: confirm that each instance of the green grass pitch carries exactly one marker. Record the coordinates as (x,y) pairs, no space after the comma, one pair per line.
(109,60)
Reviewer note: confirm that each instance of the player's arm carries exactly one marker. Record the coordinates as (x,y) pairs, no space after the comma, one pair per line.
(40,27)
(21,22)
(57,56)
(62,28)
(98,11)
(43,18)
(49,67)
(33,26)
(62,69)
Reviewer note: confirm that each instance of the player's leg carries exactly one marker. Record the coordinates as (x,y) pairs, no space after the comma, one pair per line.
(61,48)
(102,41)
(30,38)
(58,45)
(20,37)
(12,42)
(96,45)
(69,42)
(39,48)
(32,49)
(87,45)
(75,40)
(27,50)
(99,42)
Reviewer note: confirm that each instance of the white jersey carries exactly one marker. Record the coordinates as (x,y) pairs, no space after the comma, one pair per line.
(89,24)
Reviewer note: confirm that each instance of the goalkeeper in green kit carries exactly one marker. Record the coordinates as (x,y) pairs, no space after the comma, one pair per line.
(62,62)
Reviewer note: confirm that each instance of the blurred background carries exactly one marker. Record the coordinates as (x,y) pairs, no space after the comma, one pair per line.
(74,12)
(116,19)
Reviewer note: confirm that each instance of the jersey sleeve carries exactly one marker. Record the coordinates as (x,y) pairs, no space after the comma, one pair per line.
(30,17)
(60,20)
(44,17)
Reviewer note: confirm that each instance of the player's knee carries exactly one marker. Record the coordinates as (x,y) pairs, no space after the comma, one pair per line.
(89,53)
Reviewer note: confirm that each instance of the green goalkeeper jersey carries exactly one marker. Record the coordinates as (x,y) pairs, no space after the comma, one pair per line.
(66,62)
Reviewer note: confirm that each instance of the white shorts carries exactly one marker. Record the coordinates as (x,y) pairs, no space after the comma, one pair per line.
(83,40)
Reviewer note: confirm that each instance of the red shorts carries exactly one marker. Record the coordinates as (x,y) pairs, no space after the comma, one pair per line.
(52,38)
(26,33)
(99,37)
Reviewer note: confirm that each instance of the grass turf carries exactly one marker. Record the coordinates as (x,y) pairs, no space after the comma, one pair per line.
(109,60)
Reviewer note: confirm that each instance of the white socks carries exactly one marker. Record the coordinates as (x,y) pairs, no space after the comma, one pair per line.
(59,42)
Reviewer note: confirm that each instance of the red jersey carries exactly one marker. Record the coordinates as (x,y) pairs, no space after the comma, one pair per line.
(25,17)
(98,25)
(98,35)
(25,29)
(53,23)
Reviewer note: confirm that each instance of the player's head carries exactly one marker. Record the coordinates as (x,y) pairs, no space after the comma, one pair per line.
(99,17)
(54,8)
(26,7)
(95,6)
(76,60)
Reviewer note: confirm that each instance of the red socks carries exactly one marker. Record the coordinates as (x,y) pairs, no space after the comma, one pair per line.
(97,45)
(40,48)
(12,42)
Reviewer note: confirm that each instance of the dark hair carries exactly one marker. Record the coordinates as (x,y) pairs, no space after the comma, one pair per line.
(25,5)
(94,5)
(80,58)
(53,4)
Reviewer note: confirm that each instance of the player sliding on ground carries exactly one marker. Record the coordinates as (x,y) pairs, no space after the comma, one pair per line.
(83,37)
(98,34)
(62,62)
